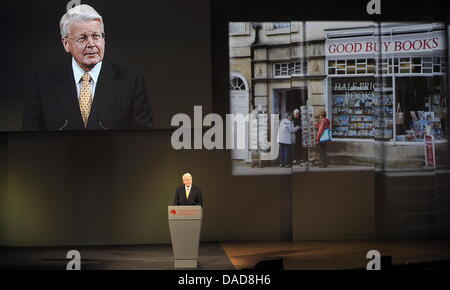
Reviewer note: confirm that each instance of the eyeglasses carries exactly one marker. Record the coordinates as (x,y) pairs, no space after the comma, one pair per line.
(83,40)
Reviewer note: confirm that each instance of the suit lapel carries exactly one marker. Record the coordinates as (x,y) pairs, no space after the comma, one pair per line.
(191,193)
(105,93)
(68,99)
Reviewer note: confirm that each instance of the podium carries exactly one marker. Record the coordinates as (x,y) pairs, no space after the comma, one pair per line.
(185,224)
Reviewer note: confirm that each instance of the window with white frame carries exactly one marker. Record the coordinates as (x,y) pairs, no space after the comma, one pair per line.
(286,69)
(281,25)
(300,68)
(237,84)
(238,28)
(397,65)
(281,69)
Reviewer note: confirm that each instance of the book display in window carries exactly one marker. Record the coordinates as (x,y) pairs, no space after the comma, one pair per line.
(383,111)
(361,108)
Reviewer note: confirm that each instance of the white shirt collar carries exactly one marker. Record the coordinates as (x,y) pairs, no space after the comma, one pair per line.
(186,187)
(78,72)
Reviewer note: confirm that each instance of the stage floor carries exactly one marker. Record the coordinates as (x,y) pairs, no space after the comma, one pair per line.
(331,255)
(136,257)
(304,255)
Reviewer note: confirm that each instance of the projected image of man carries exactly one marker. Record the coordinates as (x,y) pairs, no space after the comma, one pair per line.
(87,92)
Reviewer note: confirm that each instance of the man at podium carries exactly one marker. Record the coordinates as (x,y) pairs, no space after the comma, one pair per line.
(188,194)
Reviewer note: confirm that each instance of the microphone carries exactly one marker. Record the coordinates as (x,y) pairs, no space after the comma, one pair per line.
(99,122)
(101,125)
(64,126)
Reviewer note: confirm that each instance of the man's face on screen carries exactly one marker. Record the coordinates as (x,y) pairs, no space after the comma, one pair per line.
(187,180)
(86,43)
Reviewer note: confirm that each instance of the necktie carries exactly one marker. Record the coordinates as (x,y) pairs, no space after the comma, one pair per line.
(85,97)
(187,192)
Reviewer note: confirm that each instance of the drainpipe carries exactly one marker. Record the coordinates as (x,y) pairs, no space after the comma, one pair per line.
(257,27)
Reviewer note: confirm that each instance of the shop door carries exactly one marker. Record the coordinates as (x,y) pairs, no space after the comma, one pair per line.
(295,98)
(287,100)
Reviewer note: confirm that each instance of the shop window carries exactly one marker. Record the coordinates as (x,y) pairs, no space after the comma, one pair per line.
(361,108)
(439,65)
(395,65)
(427,65)
(416,65)
(405,65)
(331,67)
(383,108)
(370,66)
(351,66)
(421,106)
(402,65)
(382,67)
(361,65)
(340,67)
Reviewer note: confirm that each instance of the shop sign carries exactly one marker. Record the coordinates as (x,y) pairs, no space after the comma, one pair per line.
(408,43)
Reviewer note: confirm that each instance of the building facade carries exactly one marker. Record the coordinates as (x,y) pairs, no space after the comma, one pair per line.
(383,87)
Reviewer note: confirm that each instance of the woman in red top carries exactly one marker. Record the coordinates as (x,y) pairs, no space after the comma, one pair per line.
(324,124)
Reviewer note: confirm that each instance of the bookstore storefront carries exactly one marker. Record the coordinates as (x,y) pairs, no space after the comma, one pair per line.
(387,91)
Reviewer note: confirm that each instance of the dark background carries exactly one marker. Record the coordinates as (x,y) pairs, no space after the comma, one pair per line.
(169,41)
(79,188)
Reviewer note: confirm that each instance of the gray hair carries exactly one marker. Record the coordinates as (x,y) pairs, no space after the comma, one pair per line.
(78,13)
(187,175)
(296,111)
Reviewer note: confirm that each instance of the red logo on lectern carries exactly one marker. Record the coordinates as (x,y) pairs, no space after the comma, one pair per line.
(173,211)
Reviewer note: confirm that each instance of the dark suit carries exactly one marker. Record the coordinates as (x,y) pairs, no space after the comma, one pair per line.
(195,196)
(120,101)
